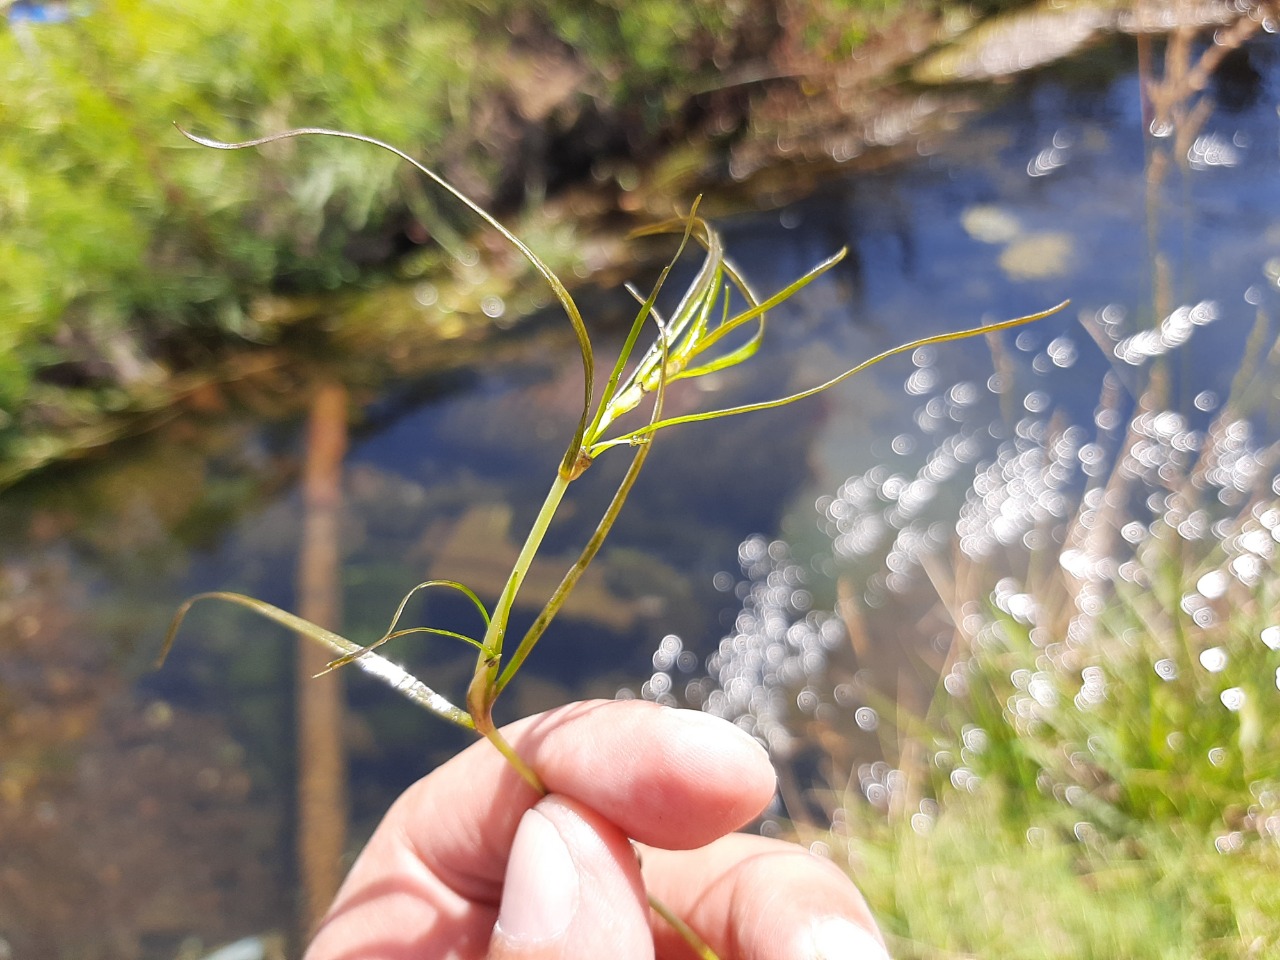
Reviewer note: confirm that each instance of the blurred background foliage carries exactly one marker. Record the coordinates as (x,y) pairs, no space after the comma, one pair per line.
(127,253)
(129,256)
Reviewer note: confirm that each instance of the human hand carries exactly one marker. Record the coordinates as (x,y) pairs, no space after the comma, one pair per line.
(470,862)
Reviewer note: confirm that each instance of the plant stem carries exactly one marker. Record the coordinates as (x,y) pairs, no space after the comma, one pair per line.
(695,942)
(480,698)
(492,645)
(574,573)
(484,688)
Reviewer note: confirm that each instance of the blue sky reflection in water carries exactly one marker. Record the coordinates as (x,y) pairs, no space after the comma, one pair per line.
(1042,198)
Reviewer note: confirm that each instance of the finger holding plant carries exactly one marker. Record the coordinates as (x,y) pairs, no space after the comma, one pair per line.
(717,323)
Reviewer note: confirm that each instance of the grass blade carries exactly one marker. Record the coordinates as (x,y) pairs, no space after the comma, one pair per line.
(393,675)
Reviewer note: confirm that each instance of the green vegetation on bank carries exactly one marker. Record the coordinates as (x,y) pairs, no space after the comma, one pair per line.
(127,253)
(1098,775)
(975,886)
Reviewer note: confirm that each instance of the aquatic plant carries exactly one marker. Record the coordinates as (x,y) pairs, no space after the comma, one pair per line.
(709,329)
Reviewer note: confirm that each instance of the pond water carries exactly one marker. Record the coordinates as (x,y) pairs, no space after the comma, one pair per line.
(150,814)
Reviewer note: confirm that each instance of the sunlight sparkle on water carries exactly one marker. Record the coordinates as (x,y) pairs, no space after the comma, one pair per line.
(1233,698)
(1229,842)
(1173,331)
(1214,659)
(668,650)
(1046,161)
(1159,476)
(1213,584)
(1212,150)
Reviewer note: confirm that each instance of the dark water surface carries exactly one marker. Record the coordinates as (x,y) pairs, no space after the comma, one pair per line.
(151,814)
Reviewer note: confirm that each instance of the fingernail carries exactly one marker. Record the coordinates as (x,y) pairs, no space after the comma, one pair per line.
(540,893)
(836,938)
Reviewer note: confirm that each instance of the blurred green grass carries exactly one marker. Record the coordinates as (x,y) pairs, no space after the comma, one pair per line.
(1098,774)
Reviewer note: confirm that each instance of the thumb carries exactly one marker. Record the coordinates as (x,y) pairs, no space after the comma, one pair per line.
(572,889)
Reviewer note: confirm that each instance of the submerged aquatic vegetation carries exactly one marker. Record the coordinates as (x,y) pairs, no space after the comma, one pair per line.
(718,322)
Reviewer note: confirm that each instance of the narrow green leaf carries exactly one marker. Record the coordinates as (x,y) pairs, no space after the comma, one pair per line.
(704,283)
(683,336)
(704,236)
(733,357)
(717,292)
(761,308)
(610,407)
(391,632)
(437,631)
(643,432)
(393,675)
(451,584)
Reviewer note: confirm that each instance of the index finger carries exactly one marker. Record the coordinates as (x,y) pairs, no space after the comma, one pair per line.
(669,778)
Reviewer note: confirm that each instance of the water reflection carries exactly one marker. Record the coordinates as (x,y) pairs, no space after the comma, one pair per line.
(321,754)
